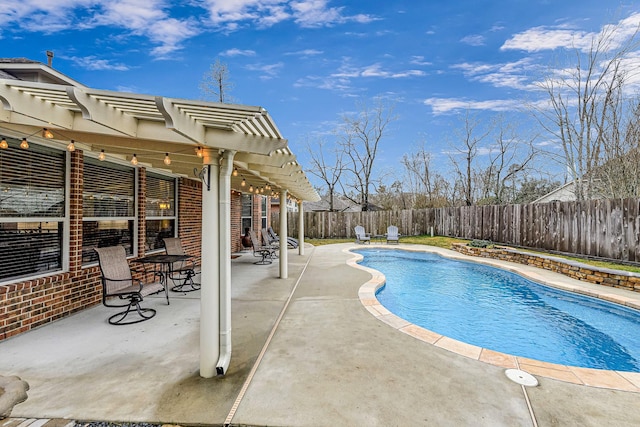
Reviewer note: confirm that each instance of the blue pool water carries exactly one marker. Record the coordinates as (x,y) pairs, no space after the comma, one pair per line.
(502,311)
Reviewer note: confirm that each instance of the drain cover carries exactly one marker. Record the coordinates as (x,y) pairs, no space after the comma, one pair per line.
(521,377)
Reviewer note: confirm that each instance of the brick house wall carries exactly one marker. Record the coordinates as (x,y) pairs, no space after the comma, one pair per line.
(236,221)
(32,303)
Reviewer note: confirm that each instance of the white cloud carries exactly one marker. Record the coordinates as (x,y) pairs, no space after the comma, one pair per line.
(305,52)
(419,60)
(232,14)
(269,71)
(448,105)
(375,70)
(238,52)
(548,38)
(474,40)
(145,18)
(515,75)
(95,63)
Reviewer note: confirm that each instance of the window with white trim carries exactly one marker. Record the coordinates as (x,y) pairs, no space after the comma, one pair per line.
(263,207)
(32,210)
(246,214)
(160,210)
(108,207)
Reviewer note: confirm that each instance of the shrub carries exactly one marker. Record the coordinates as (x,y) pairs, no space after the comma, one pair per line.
(481,243)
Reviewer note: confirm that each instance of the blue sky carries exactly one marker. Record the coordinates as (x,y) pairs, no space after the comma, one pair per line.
(308,61)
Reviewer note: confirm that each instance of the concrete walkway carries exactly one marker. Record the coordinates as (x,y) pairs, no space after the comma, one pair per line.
(328,362)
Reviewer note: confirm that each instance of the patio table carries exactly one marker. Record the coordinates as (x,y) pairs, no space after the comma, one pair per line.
(163,263)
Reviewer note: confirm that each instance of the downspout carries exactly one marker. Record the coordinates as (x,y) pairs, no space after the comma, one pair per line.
(226,167)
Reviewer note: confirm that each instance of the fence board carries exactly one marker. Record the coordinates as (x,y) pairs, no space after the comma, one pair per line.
(601,228)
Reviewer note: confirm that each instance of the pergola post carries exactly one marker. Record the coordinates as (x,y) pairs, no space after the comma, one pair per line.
(300,228)
(210,266)
(284,273)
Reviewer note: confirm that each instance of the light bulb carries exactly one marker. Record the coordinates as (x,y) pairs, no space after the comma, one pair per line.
(251,189)
(47,133)
(199,152)
(71,146)
(167,160)
(134,160)
(101,156)
(4,144)
(24,144)
(244,182)
(235,171)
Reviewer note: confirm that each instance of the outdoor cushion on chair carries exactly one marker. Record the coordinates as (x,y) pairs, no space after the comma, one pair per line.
(117,282)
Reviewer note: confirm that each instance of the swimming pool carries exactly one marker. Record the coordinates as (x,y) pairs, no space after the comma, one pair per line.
(502,311)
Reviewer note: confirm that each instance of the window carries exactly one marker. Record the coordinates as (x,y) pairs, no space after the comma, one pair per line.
(161,210)
(108,207)
(32,210)
(263,206)
(247,211)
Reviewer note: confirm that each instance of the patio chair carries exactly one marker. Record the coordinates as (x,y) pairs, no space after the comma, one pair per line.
(269,242)
(392,234)
(118,282)
(180,271)
(266,253)
(291,242)
(361,235)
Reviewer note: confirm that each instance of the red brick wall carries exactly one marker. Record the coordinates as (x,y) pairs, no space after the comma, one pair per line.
(32,303)
(190,216)
(236,221)
(28,304)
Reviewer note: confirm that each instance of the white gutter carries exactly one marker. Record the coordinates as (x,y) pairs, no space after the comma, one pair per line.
(226,167)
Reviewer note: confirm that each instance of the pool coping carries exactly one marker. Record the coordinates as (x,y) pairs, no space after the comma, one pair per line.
(616,380)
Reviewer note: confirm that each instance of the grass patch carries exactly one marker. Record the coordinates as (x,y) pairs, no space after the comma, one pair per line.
(439,241)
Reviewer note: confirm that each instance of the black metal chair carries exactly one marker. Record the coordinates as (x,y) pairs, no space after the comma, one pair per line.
(266,253)
(182,272)
(118,284)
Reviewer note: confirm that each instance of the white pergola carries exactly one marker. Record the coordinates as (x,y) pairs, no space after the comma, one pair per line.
(225,145)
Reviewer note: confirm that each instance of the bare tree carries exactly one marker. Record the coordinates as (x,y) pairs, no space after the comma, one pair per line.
(620,171)
(583,98)
(327,167)
(428,187)
(216,83)
(360,137)
(509,158)
(464,154)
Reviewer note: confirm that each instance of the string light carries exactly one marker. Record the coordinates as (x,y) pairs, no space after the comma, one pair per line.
(4,144)
(167,160)
(235,171)
(24,144)
(250,188)
(72,146)
(47,133)
(101,156)
(199,152)
(244,182)
(134,160)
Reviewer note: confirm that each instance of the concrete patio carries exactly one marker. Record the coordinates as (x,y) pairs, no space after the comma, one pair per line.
(328,361)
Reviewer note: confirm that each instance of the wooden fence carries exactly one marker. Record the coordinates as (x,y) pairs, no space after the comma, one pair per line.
(598,228)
